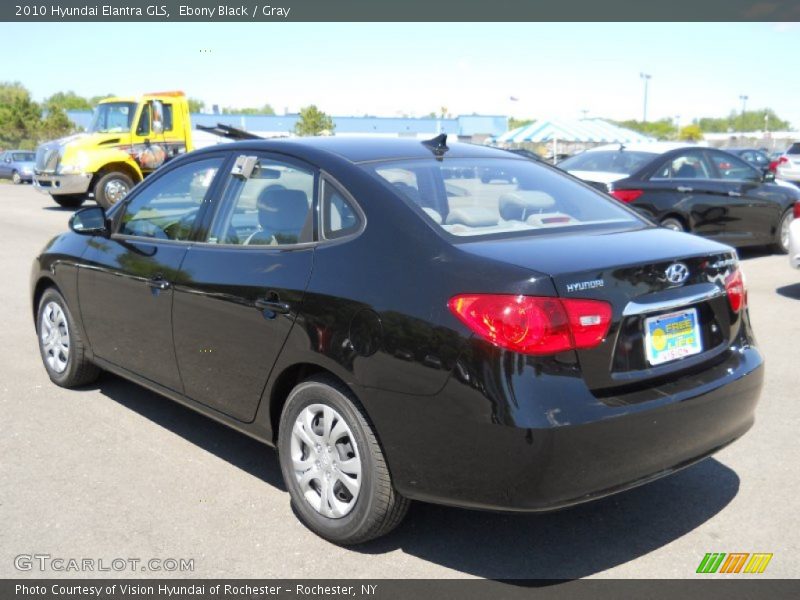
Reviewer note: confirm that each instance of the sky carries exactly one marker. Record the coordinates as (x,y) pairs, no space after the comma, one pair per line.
(553,70)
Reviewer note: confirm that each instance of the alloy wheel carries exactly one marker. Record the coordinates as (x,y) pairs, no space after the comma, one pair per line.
(326,460)
(54,336)
(115,190)
(784,233)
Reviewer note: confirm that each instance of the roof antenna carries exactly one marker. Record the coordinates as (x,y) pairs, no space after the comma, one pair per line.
(437,145)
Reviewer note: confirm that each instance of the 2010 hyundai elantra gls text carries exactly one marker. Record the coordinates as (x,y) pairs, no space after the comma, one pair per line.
(403,325)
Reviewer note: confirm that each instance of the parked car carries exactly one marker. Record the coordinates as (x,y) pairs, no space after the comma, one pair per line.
(704,191)
(17,165)
(788,166)
(794,238)
(758,158)
(522,346)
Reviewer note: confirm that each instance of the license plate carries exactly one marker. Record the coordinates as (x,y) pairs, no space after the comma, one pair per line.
(673,336)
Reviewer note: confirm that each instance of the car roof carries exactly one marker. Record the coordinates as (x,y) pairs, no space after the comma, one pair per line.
(653,147)
(367,149)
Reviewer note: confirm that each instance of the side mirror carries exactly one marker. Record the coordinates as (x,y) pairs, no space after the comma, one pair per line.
(769,177)
(90,221)
(8,160)
(157,109)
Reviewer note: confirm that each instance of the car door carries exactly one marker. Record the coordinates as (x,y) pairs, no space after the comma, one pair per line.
(126,287)
(682,184)
(240,290)
(754,207)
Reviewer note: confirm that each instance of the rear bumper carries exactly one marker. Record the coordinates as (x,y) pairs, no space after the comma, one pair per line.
(522,447)
(62,184)
(794,244)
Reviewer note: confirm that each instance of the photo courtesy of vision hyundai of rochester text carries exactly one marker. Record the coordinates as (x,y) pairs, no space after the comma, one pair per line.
(408,320)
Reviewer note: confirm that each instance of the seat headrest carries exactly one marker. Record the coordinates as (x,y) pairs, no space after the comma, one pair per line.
(282,209)
(472,217)
(518,205)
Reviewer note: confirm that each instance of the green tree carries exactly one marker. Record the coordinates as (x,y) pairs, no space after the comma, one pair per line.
(95,99)
(313,122)
(663,129)
(67,101)
(20,117)
(691,133)
(264,110)
(195,105)
(513,123)
(751,120)
(55,124)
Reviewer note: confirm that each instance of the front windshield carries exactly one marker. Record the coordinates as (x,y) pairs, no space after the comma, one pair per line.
(112,117)
(23,156)
(474,197)
(611,161)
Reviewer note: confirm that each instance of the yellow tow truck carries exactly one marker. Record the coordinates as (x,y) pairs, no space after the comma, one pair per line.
(128,139)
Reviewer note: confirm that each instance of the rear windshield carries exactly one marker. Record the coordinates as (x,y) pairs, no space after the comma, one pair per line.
(794,148)
(611,161)
(477,197)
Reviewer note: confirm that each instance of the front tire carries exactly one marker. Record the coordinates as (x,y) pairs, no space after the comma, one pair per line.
(60,344)
(69,201)
(334,467)
(781,244)
(15,177)
(111,188)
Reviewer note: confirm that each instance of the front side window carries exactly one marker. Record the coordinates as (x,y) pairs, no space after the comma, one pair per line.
(691,165)
(495,196)
(731,167)
(167,208)
(24,156)
(113,117)
(271,207)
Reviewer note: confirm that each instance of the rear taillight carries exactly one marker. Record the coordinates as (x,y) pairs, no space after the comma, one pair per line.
(532,324)
(736,290)
(782,161)
(626,196)
(797,210)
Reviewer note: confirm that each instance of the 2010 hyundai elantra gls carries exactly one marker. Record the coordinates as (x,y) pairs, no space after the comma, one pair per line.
(401,324)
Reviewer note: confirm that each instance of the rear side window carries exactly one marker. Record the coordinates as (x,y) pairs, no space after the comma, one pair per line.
(691,165)
(476,197)
(617,161)
(272,207)
(339,216)
(167,208)
(794,148)
(731,167)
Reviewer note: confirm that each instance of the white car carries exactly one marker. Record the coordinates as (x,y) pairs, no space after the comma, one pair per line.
(788,167)
(794,238)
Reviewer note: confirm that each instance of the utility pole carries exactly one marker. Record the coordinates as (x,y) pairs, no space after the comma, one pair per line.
(744,99)
(646,78)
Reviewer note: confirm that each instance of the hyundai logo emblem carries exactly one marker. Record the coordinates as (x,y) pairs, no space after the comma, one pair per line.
(677,273)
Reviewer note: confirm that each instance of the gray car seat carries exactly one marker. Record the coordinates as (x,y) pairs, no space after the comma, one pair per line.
(282,215)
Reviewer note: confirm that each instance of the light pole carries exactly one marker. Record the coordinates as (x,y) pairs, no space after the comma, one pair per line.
(646,78)
(744,99)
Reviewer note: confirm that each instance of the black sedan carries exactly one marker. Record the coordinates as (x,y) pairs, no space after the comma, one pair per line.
(524,344)
(701,190)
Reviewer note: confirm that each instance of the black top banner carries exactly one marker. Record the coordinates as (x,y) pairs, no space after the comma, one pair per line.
(401,10)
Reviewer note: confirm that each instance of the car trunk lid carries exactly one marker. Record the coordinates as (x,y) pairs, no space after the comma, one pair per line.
(629,270)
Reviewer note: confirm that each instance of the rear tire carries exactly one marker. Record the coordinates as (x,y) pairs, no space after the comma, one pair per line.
(315,465)
(111,188)
(60,344)
(673,224)
(781,244)
(16,178)
(69,201)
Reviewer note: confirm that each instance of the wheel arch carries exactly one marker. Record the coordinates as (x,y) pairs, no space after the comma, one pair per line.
(42,285)
(121,167)
(285,382)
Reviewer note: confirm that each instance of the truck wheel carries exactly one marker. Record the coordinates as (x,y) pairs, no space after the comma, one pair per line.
(69,200)
(111,188)
(16,178)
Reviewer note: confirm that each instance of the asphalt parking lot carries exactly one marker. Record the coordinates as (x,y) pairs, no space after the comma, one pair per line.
(115,471)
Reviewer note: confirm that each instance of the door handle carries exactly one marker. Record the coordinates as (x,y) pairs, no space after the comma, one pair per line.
(273,306)
(734,194)
(159,283)
(683,188)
